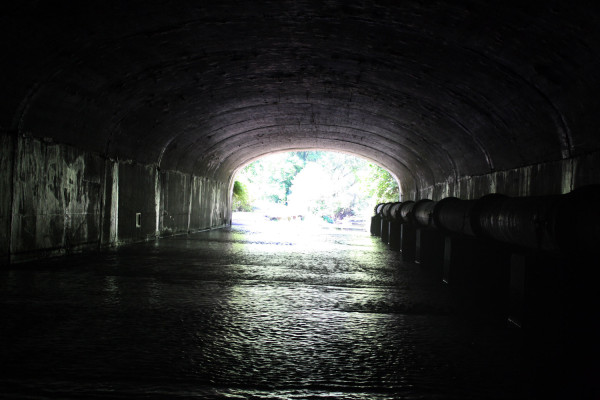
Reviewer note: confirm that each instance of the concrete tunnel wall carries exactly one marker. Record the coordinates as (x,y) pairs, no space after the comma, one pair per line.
(62,200)
(110,109)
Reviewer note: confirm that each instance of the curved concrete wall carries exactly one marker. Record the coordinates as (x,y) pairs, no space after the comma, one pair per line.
(62,200)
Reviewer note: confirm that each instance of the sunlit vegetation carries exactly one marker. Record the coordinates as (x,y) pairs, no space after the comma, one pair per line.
(328,185)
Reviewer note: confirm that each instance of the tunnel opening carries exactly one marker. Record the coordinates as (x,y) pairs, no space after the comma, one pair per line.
(316,188)
(120,127)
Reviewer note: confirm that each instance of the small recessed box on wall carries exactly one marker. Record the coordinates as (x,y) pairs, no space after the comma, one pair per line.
(138,220)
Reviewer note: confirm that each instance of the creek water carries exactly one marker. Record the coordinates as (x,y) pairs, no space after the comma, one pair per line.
(268,312)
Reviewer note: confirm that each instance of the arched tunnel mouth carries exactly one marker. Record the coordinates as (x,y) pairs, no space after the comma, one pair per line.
(123,123)
(312,188)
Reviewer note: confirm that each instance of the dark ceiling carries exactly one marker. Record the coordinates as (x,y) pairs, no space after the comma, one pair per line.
(432,90)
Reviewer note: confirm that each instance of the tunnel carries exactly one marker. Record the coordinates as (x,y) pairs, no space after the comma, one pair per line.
(455,99)
(123,123)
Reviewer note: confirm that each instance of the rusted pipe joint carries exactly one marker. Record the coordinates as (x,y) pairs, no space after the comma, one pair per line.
(395,212)
(405,212)
(378,208)
(423,213)
(452,214)
(385,212)
(523,221)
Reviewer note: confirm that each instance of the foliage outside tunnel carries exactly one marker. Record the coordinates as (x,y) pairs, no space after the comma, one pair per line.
(327,185)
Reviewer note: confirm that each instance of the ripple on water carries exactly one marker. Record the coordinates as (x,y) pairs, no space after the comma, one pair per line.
(233,314)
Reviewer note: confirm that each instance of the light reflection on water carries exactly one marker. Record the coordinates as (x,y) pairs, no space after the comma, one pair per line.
(246,313)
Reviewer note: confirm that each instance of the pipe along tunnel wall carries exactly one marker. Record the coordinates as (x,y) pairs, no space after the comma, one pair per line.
(530,260)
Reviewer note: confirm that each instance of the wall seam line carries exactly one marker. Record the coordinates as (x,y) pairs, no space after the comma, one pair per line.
(13,178)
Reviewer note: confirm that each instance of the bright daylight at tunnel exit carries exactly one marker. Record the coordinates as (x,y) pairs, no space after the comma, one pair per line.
(300,199)
(318,189)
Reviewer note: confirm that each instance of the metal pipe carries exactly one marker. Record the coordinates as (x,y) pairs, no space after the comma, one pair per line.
(395,212)
(422,213)
(405,212)
(453,215)
(386,211)
(568,223)
(523,221)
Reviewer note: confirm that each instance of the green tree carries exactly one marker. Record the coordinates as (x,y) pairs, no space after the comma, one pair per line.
(322,183)
(241,200)
(272,176)
(381,185)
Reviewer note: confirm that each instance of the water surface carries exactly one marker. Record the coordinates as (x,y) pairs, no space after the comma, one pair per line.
(275,312)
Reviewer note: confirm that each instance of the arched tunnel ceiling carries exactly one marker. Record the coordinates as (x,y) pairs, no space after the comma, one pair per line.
(430,90)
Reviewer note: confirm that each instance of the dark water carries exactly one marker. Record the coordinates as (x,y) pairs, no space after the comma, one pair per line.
(241,313)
